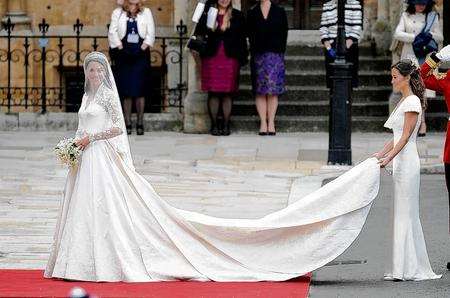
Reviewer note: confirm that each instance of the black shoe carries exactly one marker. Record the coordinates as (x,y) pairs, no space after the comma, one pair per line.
(215,131)
(226,130)
(421,135)
(448,266)
(129,129)
(140,129)
(262,133)
(271,133)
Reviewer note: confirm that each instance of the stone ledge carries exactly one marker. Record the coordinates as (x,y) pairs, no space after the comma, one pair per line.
(69,122)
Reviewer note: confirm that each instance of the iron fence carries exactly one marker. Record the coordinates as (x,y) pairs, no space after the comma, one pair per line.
(43,71)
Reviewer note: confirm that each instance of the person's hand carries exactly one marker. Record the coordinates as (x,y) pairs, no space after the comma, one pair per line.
(444,54)
(384,161)
(144,46)
(83,142)
(348,43)
(377,155)
(120,47)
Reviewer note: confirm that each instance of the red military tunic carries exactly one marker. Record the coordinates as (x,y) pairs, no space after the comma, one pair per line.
(441,83)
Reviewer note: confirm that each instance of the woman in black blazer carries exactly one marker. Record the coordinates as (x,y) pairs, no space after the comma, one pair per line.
(226,51)
(267,30)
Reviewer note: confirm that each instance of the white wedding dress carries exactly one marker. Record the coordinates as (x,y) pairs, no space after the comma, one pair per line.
(409,257)
(113,226)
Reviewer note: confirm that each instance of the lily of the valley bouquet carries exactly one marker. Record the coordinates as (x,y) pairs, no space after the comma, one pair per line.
(68,152)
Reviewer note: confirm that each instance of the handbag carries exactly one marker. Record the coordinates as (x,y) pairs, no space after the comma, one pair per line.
(197,43)
(424,43)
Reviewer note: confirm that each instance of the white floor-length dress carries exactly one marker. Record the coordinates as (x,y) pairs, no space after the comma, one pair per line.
(113,226)
(409,257)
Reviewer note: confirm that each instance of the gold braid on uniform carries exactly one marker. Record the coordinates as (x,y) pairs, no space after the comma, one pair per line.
(434,63)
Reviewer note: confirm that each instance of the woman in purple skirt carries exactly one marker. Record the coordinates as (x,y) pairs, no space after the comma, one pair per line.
(226,51)
(267,28)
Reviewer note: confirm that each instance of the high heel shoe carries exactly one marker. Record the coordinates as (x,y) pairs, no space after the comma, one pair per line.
(140,129)
(128,129)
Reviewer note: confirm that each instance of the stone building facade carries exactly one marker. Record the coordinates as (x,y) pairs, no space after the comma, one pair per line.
(380,19)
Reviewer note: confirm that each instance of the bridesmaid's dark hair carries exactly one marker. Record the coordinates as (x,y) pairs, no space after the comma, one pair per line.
(407,68)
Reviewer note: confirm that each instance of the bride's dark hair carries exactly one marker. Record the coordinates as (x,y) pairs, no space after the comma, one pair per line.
(407,68)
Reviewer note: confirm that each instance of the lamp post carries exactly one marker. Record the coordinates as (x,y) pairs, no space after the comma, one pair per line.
(339,147)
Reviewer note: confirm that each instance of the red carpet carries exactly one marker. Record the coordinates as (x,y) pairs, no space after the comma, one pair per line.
(30,283)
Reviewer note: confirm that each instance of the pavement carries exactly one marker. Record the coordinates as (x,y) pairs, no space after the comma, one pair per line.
(243,175)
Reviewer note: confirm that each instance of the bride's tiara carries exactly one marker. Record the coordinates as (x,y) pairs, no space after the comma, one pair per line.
(95,56)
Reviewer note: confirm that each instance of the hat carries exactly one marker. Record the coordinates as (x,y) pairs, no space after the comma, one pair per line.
(420,2)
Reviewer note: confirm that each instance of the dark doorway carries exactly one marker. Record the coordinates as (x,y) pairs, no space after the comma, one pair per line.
(302,14)
(74,89)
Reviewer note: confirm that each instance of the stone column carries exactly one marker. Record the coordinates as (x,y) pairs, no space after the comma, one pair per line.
(381,30)
(196,119)
(16,10)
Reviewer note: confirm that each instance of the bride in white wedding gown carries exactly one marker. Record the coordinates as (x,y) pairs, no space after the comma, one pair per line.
(113,226)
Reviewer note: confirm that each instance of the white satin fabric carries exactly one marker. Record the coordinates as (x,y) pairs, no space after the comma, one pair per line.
(113,226)
(409,257)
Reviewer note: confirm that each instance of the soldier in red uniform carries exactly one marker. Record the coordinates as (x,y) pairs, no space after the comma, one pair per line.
(440,82)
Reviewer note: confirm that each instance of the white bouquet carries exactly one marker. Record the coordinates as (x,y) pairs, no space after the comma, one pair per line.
(67,152)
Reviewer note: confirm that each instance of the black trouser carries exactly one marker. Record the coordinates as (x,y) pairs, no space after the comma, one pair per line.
(447,181)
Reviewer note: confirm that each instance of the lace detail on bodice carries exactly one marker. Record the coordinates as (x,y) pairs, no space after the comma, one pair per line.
(107,120)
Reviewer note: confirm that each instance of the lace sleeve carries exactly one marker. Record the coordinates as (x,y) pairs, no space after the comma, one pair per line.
(114,114)
(79,134)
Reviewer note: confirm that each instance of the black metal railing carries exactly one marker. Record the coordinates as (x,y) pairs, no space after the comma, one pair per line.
(42,71)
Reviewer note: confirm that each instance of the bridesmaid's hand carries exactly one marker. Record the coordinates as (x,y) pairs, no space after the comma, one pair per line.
(384,161)
(377,155)
(83,142)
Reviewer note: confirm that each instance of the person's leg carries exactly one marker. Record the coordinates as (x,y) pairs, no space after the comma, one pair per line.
(140,105)
(227,105)
(447,181)
(272,105)
(213,109)
(127,106)
(261,107)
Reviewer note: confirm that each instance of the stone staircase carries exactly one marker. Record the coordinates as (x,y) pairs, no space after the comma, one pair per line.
(305,105)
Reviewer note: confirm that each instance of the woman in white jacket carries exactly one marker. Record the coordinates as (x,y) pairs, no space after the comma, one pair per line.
(131,33)
(412,21)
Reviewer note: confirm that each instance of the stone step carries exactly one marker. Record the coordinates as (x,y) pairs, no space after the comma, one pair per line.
(321,93)
(436,105)
(308,123)
(308,63)
(317,78)
(316,108)
(435,122)
(293,49)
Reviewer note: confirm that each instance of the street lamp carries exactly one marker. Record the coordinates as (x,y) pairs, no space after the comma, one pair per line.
(339,146)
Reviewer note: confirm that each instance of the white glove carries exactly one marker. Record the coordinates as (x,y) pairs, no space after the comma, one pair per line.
(444,54)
